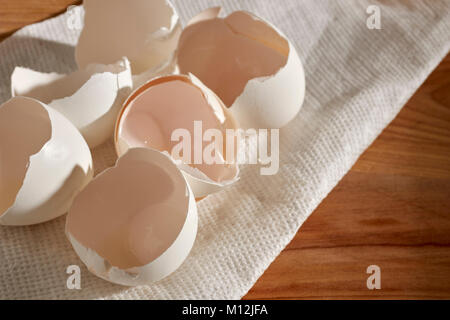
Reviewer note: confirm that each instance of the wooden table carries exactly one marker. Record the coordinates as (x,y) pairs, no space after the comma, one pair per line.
(392,209)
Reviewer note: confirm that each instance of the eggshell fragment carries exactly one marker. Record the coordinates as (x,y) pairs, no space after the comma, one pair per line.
(134,223)
(44,162)
(146,32)
(154,111)
(166,69)
(89,98)
(248,63)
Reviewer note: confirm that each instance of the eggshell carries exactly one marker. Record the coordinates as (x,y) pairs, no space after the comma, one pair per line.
(135,223)
(206,14)
(90,98)
(146,32)
(149,121)
(45,162)
(166,69)
(248,63)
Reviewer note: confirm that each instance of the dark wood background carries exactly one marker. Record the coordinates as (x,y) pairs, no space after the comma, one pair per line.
(392,209)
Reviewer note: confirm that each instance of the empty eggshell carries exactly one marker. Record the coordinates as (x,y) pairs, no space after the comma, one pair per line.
(157,109)
(144,31)
(89,98)
(134,223)
(248,63)
(44,162)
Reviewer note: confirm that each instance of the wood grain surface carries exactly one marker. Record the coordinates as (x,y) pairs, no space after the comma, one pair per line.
(392,209)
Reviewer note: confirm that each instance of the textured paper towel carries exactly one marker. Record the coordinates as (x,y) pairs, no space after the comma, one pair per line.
(357,81)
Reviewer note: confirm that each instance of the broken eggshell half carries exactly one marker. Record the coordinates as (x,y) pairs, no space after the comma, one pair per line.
(135,223)
(90,98)
(245,60)
(174,114)
(144,31)
(248,63)
(44,162)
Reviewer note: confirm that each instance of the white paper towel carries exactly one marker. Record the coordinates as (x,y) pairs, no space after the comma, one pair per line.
(357,81)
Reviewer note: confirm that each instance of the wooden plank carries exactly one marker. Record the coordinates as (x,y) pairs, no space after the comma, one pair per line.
(15,14)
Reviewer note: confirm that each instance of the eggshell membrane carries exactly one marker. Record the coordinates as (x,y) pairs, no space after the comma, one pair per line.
(90,98)
(134,223)
(165,104)
(146,32)
(44,162)
(248,63)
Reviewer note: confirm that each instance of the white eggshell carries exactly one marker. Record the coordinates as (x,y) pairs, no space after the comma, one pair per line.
(146,32)
(274,101)
(90,98)
(39,85)
(267,101)
(114,188)
(58,166)
(200,183)
(206,14)
(165,69)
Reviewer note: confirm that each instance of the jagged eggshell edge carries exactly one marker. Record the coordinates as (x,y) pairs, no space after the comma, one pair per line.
(54,176)
(161,42)
(92,107)
(201,184)
(267,102)
(159,268)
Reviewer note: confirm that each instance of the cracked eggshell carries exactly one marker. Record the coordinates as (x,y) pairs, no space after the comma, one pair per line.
(89,98)
(153,113)
(135,223)
(144,31)
(257,72)
(44,162)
